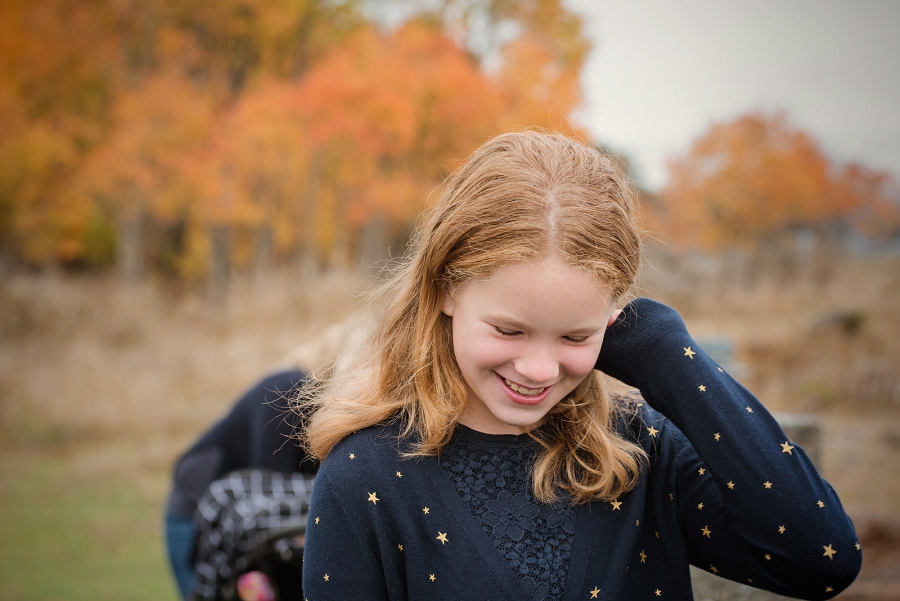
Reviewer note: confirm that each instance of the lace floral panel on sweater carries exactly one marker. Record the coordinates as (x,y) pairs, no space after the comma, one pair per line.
(492,478)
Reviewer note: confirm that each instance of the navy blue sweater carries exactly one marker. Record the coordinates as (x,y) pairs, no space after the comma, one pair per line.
(724,490)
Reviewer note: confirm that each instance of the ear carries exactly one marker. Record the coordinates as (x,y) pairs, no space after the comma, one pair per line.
(448,305)
(613,317)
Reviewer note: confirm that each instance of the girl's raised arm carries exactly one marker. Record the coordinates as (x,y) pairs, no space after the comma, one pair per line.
(778,524)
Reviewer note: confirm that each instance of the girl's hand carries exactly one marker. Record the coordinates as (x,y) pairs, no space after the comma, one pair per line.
(631,341)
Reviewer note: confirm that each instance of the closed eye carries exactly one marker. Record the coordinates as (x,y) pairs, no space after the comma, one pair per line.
(576,339)
(503,332)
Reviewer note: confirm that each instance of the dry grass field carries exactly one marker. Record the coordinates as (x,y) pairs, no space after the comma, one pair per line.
(101,387)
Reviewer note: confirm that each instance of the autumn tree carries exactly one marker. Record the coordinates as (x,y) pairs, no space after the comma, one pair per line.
(534,49)
(747,179)
(138,173)
(68,67)
(371,128)
(258,130)
(55,91)
(753,182)
(383,113)
(869,200)
(231,49)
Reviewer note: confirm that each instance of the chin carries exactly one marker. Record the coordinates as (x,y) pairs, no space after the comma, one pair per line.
(526,422)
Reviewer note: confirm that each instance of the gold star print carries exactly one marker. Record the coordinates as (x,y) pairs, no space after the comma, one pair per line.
(749,409)
(828,589)
(373,498)
(326,577)
(317,519)
(786,448)
(717,436)
(615,504)
(701,471)
(689,353)
(768,557)
(594,592)
(643,557)
(706,532)
(767,484)
(700,506)
(713,569)
(829,552)
(658,593)
(820,504)
(399,475)
(637,522)
(657,534)
(702,388)
(400,547)
(442,536)
(730,485)
(781,529)
(425,510)
(653,431)
(858,546)
(352,456)
(750,580)
(432,578)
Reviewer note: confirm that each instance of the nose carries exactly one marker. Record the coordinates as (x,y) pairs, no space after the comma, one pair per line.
(539,365)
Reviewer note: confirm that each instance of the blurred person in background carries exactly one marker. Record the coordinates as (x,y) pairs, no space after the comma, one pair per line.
(256,433)
(211,478)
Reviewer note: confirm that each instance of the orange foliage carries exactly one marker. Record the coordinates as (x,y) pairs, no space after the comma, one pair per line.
(871,199)
(156,127)
(392,107)
(53,98)
(299,123)
(752,178)
(542,66)
(292,117)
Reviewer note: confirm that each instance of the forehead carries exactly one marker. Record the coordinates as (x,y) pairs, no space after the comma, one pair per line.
(541,293)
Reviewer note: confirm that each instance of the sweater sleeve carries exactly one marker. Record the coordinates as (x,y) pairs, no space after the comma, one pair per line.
(773,515)
(338,564)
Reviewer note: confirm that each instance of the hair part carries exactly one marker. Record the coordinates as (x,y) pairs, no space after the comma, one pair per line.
(519,198)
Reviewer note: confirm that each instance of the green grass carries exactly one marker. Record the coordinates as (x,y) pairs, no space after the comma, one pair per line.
(71,537)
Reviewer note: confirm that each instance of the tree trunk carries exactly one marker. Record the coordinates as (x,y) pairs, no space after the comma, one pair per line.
(830,246)
(373,245)
(783,258)
(219,262)
(130,258)
(340,254)
(309,257)
(263,250)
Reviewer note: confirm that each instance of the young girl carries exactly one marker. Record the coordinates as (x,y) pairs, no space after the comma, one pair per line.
(476,452)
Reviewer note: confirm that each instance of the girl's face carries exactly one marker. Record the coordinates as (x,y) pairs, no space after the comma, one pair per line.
(524,339)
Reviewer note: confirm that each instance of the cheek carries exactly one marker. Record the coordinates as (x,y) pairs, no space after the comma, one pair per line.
(483,352)
(579,362)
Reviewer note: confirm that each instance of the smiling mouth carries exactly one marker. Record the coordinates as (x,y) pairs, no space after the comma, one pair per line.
(522,390)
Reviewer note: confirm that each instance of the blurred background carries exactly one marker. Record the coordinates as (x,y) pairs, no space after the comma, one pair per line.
(191,191)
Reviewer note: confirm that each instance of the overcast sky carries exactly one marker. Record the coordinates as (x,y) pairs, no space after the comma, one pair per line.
(662,71)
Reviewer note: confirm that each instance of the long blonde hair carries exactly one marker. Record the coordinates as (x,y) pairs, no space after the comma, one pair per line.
(519,197)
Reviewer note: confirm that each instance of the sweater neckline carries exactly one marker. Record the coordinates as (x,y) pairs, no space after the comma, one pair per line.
(467,434)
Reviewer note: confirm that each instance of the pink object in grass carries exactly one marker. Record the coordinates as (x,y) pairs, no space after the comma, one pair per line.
(255,586)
